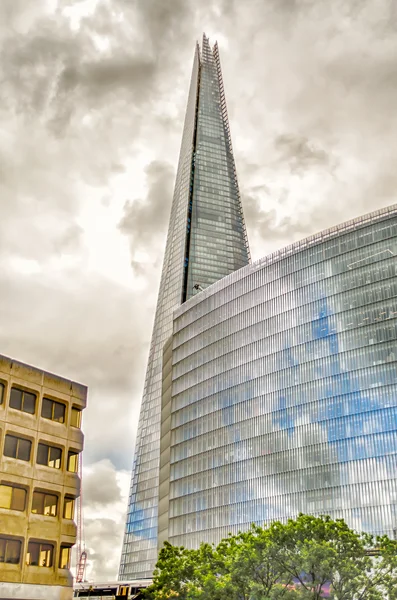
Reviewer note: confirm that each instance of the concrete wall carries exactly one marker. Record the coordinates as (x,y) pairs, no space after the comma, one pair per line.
(24,525)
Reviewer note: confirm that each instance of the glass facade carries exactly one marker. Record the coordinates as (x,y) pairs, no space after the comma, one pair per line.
(206,241)
(284,389)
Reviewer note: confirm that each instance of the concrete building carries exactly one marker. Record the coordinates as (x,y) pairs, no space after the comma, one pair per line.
(280,390)
(40,443)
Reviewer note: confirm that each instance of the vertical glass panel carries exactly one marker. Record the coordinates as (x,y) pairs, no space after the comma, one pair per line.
(42,454)
(38,503)
(46,408)
(64,557)
(5,496)
(46,555)
(50,505)
(29,402)
(55,456)
(73,462)
(10,446)
(18,499)
(24,448)
(59,412)
(13,552)
(68,508)
(33,554)
(16,398)
(75,419)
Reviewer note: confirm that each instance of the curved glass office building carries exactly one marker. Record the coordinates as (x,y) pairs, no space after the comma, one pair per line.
(284,389)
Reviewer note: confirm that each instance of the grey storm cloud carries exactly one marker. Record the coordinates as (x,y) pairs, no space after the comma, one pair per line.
(145,219)
(88,90)
(300,153)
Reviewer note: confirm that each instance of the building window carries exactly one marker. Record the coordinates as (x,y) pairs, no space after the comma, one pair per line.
(53,410)
(2,389)
(16,447)
(64,557)
(44,504)
(73,461)
(40,554)
(68,508)
(12,497)
(10,550)
(22,400)
(75,419)
(49,456)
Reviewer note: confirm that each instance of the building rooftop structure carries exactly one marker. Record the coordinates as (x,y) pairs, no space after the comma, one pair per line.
(40,444)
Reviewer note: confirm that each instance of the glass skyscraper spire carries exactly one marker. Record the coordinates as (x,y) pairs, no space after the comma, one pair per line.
(206,241)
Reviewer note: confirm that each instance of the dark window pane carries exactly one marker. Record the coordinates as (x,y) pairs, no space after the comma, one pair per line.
(55,458)
(2,550)
(38,503)
(59,412)
(29,402)
(42,454)
(24,447)
(32,557)
(50,505)
(18,499)
(46,409)
(16,398)
(13,552)
(75,419)
(10,446)
(2,388)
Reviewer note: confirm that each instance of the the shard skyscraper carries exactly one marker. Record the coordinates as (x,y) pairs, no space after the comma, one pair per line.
(206,241)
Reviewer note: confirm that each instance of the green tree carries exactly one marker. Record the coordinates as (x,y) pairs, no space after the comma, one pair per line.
(297,560)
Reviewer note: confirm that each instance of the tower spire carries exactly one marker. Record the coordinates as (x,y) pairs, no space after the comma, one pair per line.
(206,241)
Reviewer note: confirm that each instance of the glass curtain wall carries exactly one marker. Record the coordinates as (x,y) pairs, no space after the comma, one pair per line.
(284,394)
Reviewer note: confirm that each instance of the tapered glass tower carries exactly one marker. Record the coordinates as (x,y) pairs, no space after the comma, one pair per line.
(206,241)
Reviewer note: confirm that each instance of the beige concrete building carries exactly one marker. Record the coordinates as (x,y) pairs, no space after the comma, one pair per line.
(40,443)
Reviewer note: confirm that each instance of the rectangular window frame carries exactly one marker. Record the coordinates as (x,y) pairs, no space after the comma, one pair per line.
(7,543)
(18,447)
(54,405)
(43,554)
(13,500)
(44,497)
(23,400)
(52,461)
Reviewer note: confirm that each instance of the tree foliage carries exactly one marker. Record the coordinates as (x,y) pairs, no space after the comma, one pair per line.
(304,559)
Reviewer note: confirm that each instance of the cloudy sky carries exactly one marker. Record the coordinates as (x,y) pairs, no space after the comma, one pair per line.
(92,100)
